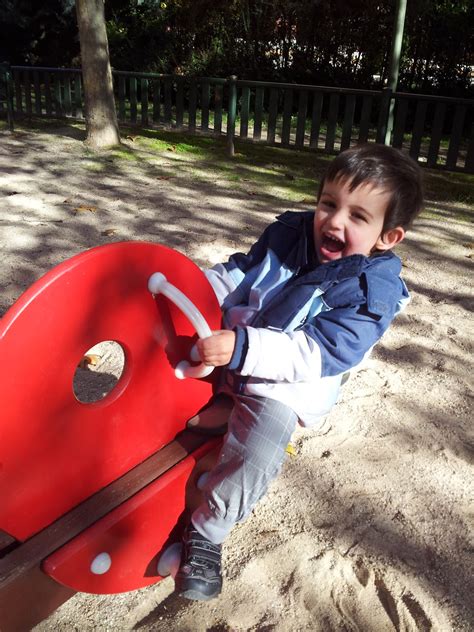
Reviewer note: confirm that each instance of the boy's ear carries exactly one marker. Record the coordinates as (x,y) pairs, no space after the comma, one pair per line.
(390,238)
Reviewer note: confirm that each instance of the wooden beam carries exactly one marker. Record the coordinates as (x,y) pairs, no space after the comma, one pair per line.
(29,600)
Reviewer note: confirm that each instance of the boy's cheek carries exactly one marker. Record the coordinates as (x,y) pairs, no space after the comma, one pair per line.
(317,227)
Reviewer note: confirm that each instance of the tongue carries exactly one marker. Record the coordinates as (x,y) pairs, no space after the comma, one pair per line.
(333,246)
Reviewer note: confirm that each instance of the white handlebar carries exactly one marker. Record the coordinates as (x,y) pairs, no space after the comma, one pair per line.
(157,284)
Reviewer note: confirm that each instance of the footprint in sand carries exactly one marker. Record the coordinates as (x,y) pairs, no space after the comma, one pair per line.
(294,589)
(360,598)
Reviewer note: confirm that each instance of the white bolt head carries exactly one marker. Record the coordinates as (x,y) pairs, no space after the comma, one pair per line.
(169,561)
(201,482)
(101,564)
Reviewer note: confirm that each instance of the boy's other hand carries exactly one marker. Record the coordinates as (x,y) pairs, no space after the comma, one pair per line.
(217,350)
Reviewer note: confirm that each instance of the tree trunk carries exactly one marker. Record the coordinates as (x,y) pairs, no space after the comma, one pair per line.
(101,117)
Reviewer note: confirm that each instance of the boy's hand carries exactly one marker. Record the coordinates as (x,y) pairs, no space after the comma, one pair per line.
(217,350)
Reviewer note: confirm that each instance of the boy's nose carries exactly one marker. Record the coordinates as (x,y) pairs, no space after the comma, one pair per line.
(336,219)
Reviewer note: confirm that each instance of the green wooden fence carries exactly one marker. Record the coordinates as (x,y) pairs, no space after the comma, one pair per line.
(436,131)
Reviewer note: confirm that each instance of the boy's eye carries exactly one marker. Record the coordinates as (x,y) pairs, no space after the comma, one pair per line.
(360,216)
(328,203)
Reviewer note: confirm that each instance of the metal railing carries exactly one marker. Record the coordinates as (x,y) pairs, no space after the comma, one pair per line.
(436,131)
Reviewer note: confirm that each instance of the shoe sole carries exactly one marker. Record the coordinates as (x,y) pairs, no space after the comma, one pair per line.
(195,595)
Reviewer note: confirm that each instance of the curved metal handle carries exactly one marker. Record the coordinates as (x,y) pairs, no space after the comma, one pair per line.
(158,284)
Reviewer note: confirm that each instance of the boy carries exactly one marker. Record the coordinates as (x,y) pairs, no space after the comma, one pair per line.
(303,307)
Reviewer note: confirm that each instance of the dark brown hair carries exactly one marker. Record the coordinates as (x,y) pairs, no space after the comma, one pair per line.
(386,168)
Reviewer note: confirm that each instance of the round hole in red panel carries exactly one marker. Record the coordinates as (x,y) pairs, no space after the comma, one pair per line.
(98,371)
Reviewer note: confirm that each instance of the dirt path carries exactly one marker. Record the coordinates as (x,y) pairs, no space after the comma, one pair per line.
(370,526)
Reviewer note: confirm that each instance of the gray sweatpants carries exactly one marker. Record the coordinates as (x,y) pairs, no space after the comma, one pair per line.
(251,457)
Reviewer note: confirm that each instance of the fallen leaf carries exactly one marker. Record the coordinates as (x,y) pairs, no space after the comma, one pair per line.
(164,177)
(83,209)
(108,232)
(290,450)
(308,201)
(67,201)
(132,138)
(172,148)
(89,360)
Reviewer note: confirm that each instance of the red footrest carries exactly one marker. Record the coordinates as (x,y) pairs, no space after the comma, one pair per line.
(121,551)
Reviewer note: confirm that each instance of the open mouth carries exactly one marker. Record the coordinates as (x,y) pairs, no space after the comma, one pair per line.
(332,244)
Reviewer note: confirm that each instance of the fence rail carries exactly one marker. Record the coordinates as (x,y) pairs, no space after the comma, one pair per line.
(436,131)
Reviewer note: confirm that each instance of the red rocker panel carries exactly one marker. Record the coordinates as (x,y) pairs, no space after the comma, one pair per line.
(54,450)
(133,535)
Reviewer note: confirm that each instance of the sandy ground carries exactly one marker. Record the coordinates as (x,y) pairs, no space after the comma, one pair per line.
(370,525)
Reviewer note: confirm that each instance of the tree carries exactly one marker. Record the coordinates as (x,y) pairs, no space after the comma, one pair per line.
(323,42)
(100,113)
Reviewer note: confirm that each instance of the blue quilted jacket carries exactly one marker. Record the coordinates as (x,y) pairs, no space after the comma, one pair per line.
(300,325)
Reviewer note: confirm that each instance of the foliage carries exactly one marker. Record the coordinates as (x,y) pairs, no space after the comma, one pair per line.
(38,32)
(439,41)
(325,42)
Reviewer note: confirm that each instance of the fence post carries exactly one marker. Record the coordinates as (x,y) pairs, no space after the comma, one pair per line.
(231,113)
(394,62)
(6,77)
(384,116)
(389,126)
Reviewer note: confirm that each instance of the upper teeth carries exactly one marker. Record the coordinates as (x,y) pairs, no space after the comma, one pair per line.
(334,239)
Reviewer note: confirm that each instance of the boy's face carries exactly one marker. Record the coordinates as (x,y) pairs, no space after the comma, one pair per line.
(349,222)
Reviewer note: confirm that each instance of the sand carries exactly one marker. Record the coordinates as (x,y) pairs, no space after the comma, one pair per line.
(370,525)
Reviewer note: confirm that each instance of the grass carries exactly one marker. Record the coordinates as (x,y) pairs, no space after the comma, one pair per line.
(294,173)
(255,167)
(270,169)
(445,186)
(452,191)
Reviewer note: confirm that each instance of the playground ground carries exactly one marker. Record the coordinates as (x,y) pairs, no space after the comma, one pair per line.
(370,525)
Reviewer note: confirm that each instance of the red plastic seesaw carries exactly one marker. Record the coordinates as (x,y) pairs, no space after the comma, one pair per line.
(91,494)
